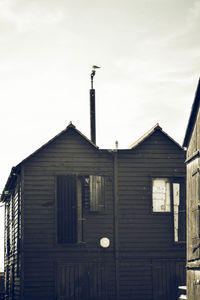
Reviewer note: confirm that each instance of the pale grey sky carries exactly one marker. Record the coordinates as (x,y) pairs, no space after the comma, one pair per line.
(149,53)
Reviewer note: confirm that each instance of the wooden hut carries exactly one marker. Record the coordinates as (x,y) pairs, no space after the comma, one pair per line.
(192,143)
(86,223)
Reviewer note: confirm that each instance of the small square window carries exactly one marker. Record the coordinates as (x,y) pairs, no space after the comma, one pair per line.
(161,195)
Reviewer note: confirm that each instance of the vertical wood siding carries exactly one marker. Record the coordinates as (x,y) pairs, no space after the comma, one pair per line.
(167,276)
(81,281)
(193,251)
(193,216)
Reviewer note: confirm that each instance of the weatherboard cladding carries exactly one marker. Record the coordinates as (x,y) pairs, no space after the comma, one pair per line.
(67,154)
(136,170)
(148,257)
(11,181)
(141,235)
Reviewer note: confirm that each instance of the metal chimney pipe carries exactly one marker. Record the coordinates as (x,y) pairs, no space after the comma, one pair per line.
(92,108)
(92,116)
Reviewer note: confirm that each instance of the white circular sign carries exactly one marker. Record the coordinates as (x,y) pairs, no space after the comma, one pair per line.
(104,242)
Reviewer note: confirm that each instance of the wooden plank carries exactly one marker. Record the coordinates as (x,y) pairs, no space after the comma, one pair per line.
(167,276)
(81,281)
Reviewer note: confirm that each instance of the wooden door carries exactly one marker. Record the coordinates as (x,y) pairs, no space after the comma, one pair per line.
(81,281)
(167,276)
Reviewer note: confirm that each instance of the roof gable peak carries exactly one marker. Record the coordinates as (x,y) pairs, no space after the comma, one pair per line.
(71,126)
(145,136)
(148,134)
(193,116)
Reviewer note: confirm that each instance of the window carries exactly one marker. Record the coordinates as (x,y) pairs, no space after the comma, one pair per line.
(168,195)
(97,193)
(176,198)
(77,195)
(161,195)
(94,193)
(179,209)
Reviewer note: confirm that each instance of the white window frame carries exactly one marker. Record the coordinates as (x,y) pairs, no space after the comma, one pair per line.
(161,195)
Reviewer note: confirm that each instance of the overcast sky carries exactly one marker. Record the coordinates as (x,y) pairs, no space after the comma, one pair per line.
(149,53)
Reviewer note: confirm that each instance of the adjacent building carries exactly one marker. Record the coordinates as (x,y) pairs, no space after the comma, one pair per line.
(192,143)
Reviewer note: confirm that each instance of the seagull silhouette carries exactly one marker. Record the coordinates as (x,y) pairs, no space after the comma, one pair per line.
(96,67)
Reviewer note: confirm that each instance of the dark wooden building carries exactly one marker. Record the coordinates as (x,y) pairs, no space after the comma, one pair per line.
(82,223)
(1,285)
(192,143)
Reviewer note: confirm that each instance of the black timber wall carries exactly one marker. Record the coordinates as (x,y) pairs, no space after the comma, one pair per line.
(142,248)
(68,154)
(145,238)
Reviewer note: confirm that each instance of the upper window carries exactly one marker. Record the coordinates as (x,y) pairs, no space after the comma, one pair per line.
(168,195)
(179,209)
(94,193)
(161,195)
(97,193)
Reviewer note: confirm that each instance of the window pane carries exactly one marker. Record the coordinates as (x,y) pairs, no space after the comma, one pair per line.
(97,193)
(161,195)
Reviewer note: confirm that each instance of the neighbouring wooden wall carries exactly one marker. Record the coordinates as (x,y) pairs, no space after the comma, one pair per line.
(193,212)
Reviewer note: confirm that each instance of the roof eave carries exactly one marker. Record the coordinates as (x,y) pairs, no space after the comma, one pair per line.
(10,182)
(193,117)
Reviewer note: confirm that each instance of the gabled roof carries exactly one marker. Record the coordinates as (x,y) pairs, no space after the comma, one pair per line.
(12,177)
(148,134)
(70,126)
(193,117)
(15,170)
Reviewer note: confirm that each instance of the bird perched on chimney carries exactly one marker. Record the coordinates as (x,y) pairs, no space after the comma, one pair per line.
(95,67)
(93,74)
